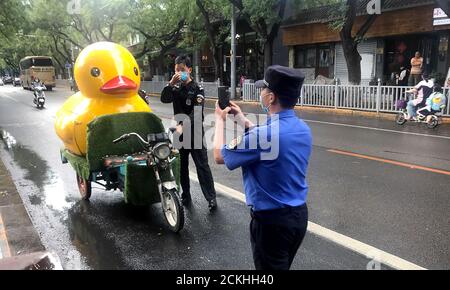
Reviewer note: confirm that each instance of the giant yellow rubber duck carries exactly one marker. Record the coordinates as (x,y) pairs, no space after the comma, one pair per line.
(108,77)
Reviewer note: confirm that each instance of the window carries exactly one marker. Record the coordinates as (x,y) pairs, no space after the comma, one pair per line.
(26,64)
(42,62)
(305,57)
(324,58)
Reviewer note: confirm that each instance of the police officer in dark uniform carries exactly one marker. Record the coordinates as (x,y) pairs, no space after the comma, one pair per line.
(275,184)
(188,98)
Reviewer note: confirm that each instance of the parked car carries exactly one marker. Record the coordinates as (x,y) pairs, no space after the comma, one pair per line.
(16,81)
(7,80)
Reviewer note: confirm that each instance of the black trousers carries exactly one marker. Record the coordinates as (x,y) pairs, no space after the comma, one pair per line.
(204,174)
(276,236)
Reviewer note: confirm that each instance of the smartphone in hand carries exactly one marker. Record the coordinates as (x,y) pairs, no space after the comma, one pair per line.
(224,101)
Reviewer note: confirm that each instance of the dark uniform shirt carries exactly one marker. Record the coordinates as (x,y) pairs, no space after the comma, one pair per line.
(186,100)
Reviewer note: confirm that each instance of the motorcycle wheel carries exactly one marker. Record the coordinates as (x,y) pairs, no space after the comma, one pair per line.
(400,119)
(85,187)
(433,123)
(173,210)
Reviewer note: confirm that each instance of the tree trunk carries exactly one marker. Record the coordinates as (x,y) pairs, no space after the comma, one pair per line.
(273,33)
(161,63)
(268,53)
(216,60)
(353,60)
(211,39)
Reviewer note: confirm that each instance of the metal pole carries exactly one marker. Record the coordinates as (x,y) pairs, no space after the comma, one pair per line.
(72,61)
(196,65)
(233,52)
(379,96)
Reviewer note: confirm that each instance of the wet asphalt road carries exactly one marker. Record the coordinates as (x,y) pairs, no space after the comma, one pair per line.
(400,210)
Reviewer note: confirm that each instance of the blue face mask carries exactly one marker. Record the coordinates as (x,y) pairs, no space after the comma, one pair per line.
(264,108)
(184,76)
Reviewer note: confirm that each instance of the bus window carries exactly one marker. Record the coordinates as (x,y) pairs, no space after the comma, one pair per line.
(42,62)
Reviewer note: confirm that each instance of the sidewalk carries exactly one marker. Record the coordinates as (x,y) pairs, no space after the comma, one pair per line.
(17,233)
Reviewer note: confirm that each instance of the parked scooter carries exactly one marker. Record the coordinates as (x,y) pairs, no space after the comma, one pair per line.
(39,95)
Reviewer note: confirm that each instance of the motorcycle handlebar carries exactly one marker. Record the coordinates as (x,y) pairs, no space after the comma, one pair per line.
(126,136)
(121,138)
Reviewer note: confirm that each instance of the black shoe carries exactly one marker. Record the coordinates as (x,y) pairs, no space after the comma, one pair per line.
(186,200)
(212,205)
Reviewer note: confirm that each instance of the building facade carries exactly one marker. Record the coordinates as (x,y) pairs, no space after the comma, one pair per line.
(404,27)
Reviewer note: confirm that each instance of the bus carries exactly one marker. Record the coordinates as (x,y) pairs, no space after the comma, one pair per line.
(37,67)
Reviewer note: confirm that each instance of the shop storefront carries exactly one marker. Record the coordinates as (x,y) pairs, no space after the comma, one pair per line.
(402,29)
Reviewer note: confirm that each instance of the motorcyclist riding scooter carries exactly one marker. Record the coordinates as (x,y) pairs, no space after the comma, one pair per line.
(422,90)
(38,92)
(430,113)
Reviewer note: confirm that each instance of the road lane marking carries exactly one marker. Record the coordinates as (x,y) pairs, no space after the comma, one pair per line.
(369,128)
(4,247)
(361,248)
(398,163)
(8,97)
(376,129)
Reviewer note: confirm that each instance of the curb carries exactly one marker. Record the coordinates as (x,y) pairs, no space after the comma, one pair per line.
(17,233)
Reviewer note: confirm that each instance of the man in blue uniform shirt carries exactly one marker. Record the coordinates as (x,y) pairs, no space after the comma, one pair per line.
(274,158)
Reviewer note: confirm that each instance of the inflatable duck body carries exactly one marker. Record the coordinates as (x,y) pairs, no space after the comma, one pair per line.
(109,79)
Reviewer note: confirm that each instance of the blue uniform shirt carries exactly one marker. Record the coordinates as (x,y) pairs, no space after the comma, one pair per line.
(273,183)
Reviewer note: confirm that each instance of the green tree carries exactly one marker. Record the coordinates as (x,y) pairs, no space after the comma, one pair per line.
(162,23)
(345,16)
(265,18)
(98,20)
(11,17)
(215,23)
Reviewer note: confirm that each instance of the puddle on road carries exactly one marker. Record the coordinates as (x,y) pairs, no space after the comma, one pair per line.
(87,236)
(36,170)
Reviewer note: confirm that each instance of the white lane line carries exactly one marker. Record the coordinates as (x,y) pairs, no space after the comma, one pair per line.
(8,97)
(342,240)
(370,128)
(376,129)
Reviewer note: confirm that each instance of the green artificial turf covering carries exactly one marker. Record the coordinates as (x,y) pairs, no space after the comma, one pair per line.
(140,182)
(103,130)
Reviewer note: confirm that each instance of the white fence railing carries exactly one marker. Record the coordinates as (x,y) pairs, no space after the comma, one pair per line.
(366,98)
(156,87)
(153,87)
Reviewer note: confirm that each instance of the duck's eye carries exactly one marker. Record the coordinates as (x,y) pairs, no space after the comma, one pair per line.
(136,72)
(95,72)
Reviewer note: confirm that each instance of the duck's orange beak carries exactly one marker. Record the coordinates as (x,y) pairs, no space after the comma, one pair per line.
(118,85)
